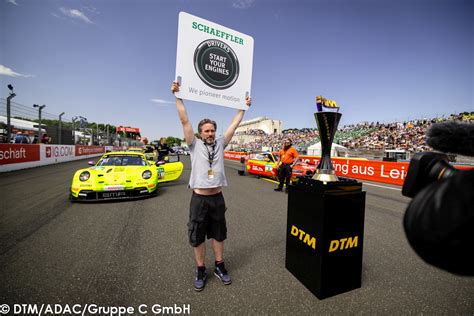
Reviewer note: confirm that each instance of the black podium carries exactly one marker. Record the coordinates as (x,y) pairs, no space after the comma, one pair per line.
(325,235)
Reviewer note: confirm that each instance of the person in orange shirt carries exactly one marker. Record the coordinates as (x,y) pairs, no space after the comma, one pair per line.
(288,159)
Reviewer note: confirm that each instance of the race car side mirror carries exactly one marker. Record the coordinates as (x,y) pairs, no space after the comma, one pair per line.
(91,163)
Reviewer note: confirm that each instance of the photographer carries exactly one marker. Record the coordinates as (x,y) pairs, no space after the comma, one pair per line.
(439,221)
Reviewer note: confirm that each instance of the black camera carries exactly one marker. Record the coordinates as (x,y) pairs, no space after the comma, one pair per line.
(439,219)
(424,169)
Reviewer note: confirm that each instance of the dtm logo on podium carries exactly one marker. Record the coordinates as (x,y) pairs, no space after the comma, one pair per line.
(213,62)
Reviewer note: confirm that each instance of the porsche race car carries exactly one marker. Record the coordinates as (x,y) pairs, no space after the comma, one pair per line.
(121,175)
(265,164)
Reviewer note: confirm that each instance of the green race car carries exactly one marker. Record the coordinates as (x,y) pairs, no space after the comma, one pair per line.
(122,175)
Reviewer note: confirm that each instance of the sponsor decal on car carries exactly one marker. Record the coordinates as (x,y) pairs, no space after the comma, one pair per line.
(161,172)
(113,194)
(113,187)
(257,168)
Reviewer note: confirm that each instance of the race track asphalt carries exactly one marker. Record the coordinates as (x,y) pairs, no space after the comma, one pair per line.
(130,253)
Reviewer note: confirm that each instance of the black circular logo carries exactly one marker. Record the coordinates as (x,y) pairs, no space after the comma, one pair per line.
(216,64)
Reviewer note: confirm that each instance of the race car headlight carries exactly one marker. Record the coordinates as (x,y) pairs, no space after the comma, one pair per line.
(146,174)
(84,176)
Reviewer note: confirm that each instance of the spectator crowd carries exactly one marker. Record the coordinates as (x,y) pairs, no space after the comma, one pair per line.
(408,135)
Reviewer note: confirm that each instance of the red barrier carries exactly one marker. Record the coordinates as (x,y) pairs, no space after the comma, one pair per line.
(233,155)
(89,150)
(359,168)
(15,153)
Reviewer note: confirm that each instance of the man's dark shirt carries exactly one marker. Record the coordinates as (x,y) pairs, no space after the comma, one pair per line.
(163,151)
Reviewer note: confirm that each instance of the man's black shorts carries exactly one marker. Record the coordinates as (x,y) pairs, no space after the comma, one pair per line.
(207,217)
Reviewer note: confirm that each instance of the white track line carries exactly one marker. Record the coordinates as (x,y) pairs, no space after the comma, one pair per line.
(381,186)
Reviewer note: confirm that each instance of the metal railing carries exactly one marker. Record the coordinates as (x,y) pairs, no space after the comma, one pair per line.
(25,127)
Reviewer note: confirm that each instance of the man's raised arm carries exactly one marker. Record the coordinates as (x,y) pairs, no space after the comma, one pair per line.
(229,133)
(183,116)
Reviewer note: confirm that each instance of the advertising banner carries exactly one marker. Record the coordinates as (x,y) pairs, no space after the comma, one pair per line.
(233,155)
(213,62)
(58,153)
(128,129)
(358,168)
(89,150)
(18,153)
(379,171)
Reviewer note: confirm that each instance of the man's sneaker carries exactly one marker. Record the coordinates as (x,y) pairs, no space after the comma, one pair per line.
(221,273)
(201,278)
(278,189)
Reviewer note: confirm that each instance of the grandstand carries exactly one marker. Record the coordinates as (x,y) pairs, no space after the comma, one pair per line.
(366,139)
(249,131)
(265,124)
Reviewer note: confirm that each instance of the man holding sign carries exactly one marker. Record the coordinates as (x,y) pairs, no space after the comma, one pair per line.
(207,209)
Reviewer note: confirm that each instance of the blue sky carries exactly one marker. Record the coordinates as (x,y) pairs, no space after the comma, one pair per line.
(113,61)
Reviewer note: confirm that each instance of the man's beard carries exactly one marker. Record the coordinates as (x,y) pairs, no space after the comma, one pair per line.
(209,140)
(286,147)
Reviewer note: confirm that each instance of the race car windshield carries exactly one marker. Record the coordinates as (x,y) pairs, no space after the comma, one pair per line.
(122,161)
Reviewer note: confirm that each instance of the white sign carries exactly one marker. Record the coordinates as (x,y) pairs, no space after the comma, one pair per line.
(213,62)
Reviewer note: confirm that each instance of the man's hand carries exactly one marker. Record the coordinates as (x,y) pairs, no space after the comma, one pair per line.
(248,101)
(175,87)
